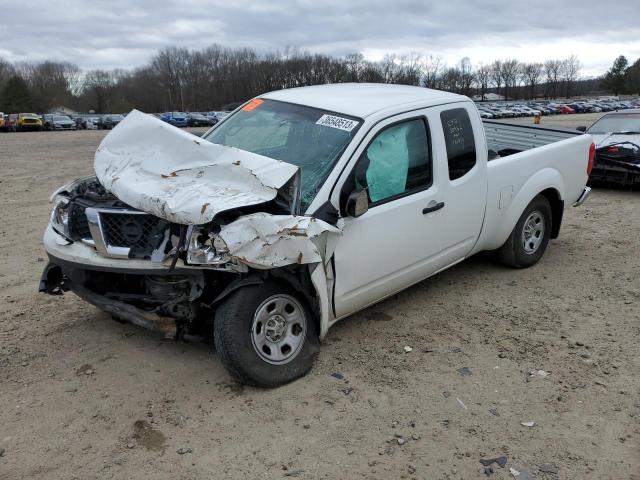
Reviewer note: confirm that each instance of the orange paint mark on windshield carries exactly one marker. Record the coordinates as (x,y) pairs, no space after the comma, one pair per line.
(252,105)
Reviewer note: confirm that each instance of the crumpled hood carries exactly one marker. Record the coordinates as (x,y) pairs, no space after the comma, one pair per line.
(175,175)
(604,139)
(264,241)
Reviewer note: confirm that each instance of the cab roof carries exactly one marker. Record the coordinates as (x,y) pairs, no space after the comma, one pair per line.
(362,99)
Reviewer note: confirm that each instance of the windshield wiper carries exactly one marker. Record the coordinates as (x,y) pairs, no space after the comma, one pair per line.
(625,132)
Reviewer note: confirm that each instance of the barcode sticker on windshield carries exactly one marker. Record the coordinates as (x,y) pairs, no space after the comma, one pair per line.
(337,122)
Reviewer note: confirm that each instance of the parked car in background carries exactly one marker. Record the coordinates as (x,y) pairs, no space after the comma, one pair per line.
(195,119)
(566,109)
(222,115)
(10,122)
(177,119)
(63,122)
(1,121)
(213,118)
(47,121)
(617,139)
(107,122)
(85,122)
(90,123)
(28,121)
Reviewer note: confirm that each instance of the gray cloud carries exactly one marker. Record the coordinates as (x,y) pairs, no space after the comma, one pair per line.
(125,34)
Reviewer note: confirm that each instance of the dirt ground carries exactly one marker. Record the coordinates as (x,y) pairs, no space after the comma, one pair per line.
(84,397)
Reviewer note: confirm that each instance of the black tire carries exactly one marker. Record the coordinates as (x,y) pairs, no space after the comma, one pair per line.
(234,320)
(514,253)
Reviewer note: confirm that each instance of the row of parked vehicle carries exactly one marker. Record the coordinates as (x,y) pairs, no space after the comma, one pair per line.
(530,109)
(18,122)
(191,119)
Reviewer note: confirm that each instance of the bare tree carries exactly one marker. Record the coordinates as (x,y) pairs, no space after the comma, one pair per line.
(532,73)
(510,69)
(6,72)
(552,73)
(466,75)
(496,74)
(569,70)
(169,64)
(483,77)
(99,84)
(431,67)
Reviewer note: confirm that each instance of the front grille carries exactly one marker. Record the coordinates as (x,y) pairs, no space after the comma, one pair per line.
(140,232)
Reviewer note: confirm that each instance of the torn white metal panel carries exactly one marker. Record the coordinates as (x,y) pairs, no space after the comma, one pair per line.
(162,170)
(266,241)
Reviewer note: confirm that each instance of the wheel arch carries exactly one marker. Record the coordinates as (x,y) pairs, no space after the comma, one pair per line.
(557,209)
(547,182)
(308,280)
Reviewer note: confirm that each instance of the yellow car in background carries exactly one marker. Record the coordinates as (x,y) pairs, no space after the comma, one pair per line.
(28,121)
(1,121)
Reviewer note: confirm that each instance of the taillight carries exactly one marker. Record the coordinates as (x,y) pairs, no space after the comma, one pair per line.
(592,157)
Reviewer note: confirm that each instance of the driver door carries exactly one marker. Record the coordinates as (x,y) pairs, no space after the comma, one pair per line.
(398,240)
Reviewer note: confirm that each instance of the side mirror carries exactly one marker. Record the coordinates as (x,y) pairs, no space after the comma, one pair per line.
(581,128)
(357,203)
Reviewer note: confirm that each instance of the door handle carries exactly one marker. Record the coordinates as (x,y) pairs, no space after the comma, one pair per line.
(433,207)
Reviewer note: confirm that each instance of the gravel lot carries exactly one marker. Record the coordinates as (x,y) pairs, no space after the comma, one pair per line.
(84,397)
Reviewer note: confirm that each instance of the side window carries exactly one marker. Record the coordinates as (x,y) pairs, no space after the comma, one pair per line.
(397,162)
(459,140)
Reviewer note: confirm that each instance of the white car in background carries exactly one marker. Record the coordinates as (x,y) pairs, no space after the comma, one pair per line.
(91,123)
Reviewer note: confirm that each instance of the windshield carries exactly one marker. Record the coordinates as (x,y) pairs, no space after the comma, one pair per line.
(617,123)
(309,138)
(60,119)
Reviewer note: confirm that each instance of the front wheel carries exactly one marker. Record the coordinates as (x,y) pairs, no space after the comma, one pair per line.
(530,237)
(265,335)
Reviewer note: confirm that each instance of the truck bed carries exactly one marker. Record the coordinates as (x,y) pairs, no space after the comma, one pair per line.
(530,160)
(508,138)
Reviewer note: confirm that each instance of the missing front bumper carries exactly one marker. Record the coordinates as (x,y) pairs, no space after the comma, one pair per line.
(162,302)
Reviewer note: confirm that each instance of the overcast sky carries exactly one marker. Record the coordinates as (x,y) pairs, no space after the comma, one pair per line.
(124,34)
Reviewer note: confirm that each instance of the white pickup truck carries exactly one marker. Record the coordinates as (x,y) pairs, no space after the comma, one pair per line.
(299,209)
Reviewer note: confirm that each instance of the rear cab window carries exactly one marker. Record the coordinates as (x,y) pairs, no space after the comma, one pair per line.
(459,141)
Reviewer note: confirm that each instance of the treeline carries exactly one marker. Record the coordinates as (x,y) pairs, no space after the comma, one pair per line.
(208,79)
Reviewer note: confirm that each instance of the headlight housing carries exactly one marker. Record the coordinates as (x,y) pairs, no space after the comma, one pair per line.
(60,215)
(205,248)
(71,186)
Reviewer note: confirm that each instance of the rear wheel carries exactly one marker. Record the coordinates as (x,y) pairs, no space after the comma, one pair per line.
(265,335)
(530,237)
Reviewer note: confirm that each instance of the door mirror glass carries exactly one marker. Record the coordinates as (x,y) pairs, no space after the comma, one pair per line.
(357,203)
(581,128)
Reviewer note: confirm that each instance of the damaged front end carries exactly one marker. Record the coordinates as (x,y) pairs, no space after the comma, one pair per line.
(170,223)
(617,163)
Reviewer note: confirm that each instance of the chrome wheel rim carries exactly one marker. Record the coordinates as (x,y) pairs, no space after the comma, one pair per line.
(279,329)
(533,232)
